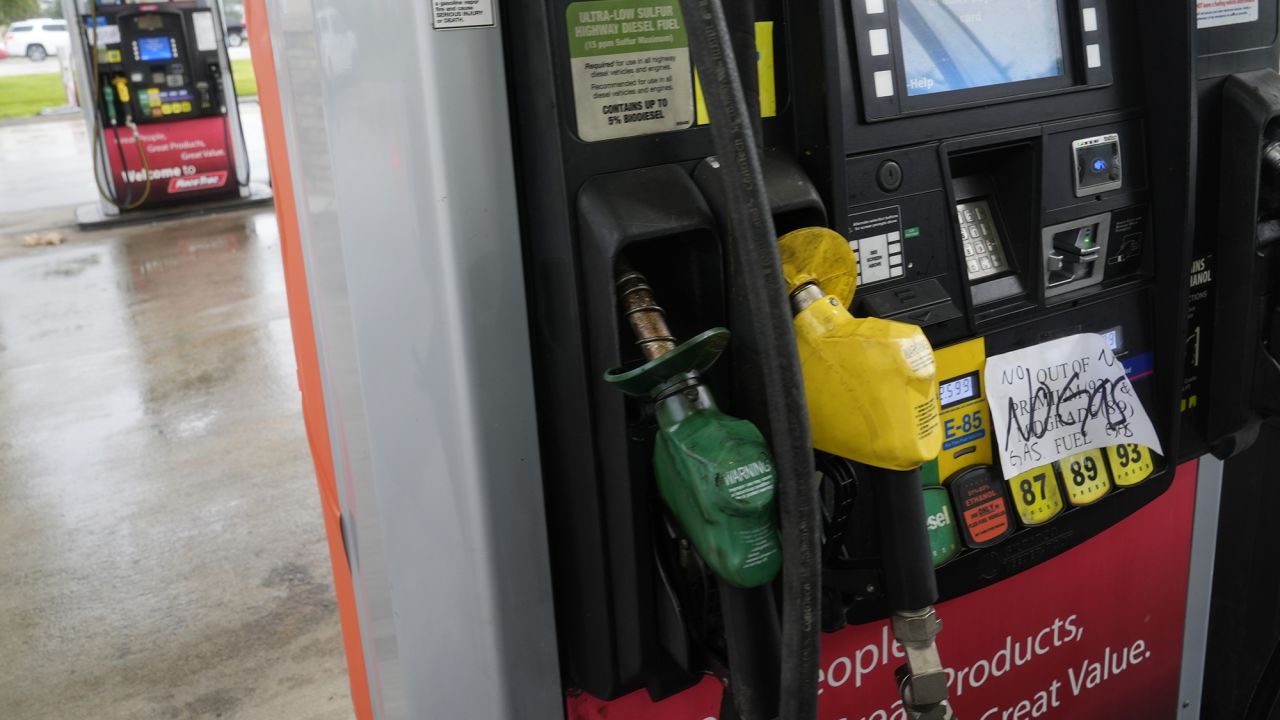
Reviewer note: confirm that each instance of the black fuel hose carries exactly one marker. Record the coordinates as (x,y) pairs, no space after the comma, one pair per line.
(740,17)
(753,246)
(910,582)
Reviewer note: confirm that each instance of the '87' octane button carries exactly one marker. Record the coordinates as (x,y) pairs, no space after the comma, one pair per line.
(1036,495)
(980,501)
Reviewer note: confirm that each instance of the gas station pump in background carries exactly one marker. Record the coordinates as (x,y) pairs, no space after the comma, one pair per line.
(164,122)
(984,189)
(954,461)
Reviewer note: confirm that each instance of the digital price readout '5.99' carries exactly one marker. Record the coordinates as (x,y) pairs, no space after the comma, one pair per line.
(954,392)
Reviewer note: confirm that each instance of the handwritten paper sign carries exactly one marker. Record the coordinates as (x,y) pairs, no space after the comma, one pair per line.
(1060,398)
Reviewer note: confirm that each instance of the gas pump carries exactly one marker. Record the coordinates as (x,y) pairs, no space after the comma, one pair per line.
(951,243)
(161,105)
(939,180)
(1231,397)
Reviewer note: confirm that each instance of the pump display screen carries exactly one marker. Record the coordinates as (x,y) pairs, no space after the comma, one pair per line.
(956,391)
(150,22)
(154,48)
(952,45)
(1114,339)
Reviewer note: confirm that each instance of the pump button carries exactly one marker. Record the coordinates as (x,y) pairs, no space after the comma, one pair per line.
(1130,464)
(1036,495)
(981,505)
(1085,477)
(944,539)
(1097,164)
(889,176)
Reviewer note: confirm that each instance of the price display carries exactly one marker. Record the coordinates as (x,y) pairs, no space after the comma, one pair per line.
(1114,339)
(958,390)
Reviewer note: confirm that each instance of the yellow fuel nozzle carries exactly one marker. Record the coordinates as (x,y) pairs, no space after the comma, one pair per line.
(872,389)
(871,384)
(122,88)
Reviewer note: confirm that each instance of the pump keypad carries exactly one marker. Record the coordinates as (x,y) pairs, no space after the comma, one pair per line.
(980,241)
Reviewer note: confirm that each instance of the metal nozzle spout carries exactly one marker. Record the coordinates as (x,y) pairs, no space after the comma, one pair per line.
(647,320)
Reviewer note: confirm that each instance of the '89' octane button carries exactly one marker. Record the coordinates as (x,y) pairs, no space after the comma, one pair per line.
(980,501)
(1036,495)
(1085,477)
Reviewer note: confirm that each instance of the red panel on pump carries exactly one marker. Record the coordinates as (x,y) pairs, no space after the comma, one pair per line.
(1094,633)
(184,159)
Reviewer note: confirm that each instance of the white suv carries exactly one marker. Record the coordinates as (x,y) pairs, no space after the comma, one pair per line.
(37,38)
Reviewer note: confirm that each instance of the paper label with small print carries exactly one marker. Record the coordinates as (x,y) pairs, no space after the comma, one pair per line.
(1214,13)
(459,14)
(631,69)
(1062,398)
(105,35)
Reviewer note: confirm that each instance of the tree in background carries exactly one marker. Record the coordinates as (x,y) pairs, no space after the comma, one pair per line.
(11,10)
(51,8)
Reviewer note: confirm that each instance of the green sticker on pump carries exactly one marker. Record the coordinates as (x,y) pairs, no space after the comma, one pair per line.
(629,61)
(944,538)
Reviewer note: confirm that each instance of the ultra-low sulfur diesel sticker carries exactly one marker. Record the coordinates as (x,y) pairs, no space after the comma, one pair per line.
(631,69)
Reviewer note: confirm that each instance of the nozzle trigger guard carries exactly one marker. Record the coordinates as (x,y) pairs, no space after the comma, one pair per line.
(695,355)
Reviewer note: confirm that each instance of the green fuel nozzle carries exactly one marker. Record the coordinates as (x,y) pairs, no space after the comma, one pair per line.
(109,100)
(714,472)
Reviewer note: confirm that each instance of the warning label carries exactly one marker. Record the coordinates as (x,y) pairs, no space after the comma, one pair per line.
(631,68)
(1212,13)
(458,14)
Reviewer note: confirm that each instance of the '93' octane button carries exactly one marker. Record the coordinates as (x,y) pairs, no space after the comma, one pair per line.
(980,501)
(1085,477)
(1036,495)
(1130,464)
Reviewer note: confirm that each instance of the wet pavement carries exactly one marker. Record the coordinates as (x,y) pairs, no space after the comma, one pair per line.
(17,65)
(161,545)
(46,168)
